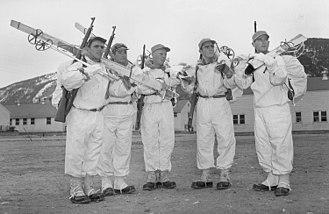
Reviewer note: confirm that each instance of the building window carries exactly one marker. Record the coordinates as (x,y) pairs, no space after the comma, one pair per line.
(298,117)
(323,116)
(32,121)
(175,114)
(48,120)
(239,119)
(10,122)
(319,116)
(315,116)
(242,120)
(17,121)
(24,121)
(235,119)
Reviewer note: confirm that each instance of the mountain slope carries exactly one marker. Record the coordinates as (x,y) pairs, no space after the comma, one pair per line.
(29,91)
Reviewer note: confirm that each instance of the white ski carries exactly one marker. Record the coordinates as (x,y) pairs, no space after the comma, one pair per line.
(43,41)
(83,29)
(284,47)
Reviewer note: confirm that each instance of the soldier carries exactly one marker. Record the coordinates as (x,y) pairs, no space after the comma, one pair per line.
(273,126)
(157,122)
(118,118)
(85,122)
(213,77)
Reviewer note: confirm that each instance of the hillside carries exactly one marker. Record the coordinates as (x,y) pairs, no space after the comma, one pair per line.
(29,91)
(316,56)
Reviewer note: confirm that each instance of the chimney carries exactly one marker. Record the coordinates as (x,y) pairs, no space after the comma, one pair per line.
(325,74)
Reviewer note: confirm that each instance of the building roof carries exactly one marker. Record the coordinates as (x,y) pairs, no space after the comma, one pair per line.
(180,105)
(313,84)
(4,108)
(35,110)
(316,84)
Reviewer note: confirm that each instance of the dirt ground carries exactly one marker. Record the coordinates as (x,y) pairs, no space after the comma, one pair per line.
(32,180)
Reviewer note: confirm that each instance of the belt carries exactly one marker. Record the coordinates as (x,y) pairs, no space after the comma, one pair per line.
(120,103)
(93,109)
(150,94)
(215,96)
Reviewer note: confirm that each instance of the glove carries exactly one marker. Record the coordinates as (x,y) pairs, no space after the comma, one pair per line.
(268,60)
(291,94)
(164,86)
(222,67)
(186,80)
(249,70)
(126,82)
(173,82)
(93,69)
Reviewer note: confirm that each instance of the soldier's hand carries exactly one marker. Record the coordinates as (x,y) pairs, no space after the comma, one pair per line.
(249,70)
(173,82)
(126,82)
(222,67)
(93,69)
(268,60)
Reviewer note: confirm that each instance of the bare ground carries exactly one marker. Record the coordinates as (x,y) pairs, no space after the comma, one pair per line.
(32,180)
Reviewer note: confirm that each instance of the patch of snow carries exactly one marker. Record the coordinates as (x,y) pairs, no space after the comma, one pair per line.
(39,94)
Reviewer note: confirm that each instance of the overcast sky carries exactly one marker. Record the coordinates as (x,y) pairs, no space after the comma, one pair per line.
(178,24)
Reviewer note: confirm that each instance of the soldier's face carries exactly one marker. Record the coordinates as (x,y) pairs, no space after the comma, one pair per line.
(159,57)
(261,44)
(95,51)
(207,50)
(120,56)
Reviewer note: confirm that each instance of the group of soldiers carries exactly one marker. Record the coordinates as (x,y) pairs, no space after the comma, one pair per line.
(100,123)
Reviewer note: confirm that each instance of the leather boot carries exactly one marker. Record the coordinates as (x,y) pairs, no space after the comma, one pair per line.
(77,195)
(283,188)
(224,180)
(150,182)
(120,186)
(95,196)
(166,183)
(107,186)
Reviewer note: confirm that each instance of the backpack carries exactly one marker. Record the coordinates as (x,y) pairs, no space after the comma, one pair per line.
(296,82)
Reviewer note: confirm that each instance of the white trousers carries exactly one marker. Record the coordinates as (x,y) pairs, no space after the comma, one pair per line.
(83,142)
(116,150)
(158,135)
(273,138)
(214,120)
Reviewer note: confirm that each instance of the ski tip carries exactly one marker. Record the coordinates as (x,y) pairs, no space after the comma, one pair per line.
(14,23)
(298,39)
(77,25)
(301,36)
